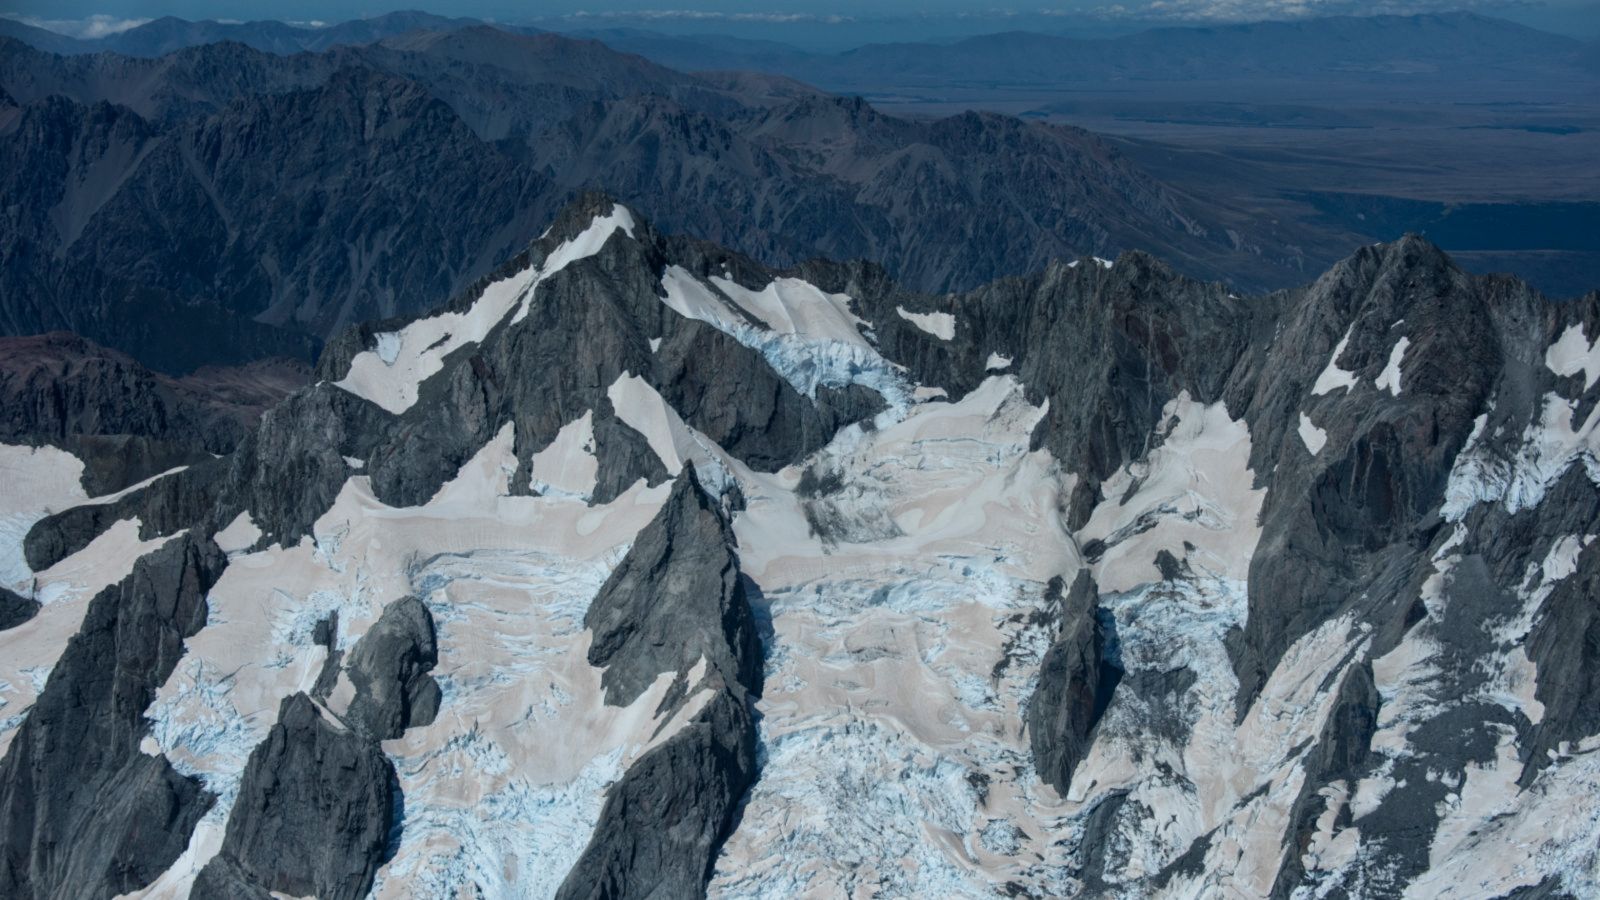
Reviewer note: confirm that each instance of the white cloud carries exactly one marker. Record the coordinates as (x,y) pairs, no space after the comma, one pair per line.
(1260,10)
(89,28)
(713,15)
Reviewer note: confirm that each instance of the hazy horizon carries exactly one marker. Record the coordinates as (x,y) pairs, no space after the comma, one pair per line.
(811,25)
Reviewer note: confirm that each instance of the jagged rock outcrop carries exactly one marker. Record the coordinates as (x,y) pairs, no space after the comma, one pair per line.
(1340,750)
(1346,513)
(1075,685)
(166,505)
(125,422)
(313,817)
(1304,581)
(663,823)
(83,813)
(676,602)
(15,609)
(477,138)
(389,670)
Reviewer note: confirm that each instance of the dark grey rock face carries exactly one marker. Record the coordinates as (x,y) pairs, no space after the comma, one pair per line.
(163,507)
(676,599)
(527,373)
(1346,515)
(15,609)
(663,823)
(313,815)
(1108,347)
(389,669)
(1362,526)
(439,154)
(125,422)
(1075,685)
(1350,529)
(1340,750)
(304,442)
(83,813)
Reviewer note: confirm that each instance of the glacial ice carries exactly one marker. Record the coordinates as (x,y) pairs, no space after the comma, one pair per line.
(1549,447)
(812,339)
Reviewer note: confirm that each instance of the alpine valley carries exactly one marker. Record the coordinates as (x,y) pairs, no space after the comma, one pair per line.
(449,461)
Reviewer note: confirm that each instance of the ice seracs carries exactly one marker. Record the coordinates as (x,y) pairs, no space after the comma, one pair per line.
(810,338)
(904,578)
(894,601)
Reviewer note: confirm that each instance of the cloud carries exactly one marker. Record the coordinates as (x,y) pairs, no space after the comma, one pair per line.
(652,15)
(89,28)
(1199,11)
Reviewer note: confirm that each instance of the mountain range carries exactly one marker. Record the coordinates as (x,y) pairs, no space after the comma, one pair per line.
(270,201)
(639,568)
(163,35)
(1440,46)
(1380,49)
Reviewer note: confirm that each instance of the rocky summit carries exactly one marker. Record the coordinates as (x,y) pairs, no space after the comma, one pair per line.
(641,570)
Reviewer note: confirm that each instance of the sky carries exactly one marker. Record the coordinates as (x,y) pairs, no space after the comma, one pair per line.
(815,24)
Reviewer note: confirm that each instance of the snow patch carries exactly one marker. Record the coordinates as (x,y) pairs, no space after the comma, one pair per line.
(239,535)
(1389,378)
(675,443)
(1333,377)
(1313,437)
(1195,489)
(1549,447)
(568,467)
(996,363)
(40,481)
(1572,353)
(939,324)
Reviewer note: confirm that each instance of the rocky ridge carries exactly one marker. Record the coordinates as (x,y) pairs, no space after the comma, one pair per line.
(1097,581)
(406,169)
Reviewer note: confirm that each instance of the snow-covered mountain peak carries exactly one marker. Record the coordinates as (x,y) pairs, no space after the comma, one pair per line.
(644,569)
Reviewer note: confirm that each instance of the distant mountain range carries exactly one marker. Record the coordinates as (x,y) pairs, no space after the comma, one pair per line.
(1364,48)
(158,37)
(269,201)
(1442,45)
